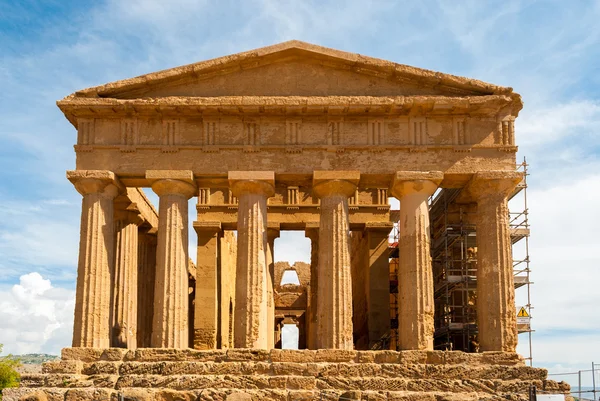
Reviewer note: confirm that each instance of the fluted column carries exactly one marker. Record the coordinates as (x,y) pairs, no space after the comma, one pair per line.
(496,318)
(252,188)
(170,325)
(334,309)
(415,276)
(146,279)
(272,235)
(125,278)
(96,246)
(311,319)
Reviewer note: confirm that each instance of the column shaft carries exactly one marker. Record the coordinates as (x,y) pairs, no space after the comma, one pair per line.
(170,327)
(171,287)
(334,309)
(311,318)
(496,317)
(92,301)
(272,234)
(124,322)
(415,276)
(207,300)
(252,270)
(251,306)
(378,290)
(146,279)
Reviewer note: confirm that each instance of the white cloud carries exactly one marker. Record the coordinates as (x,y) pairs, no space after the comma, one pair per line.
(575,121)
(35,316)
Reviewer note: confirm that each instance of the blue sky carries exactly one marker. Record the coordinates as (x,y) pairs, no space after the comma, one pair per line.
(549,51)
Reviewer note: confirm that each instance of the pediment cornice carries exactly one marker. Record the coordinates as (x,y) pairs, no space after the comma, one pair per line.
(296,50)
(490,105)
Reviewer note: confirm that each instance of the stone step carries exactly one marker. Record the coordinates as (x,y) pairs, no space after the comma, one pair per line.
(416,371)
(234,394)
(299,356)
(288,382)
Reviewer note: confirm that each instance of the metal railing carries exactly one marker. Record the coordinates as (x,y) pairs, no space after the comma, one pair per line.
(583,393)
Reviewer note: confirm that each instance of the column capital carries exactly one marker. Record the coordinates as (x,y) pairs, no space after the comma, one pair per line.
(493,184)
(129,212)
(172,182)
(328,183)
(255,182)
(95,181)
(410,182)
(207,227)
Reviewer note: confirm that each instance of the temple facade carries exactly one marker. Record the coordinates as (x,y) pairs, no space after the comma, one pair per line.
(287,137)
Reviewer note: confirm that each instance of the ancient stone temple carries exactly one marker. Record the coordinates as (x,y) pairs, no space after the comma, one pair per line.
(287,137)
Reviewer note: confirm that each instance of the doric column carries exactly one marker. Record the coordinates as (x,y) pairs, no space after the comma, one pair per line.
(170,325)
(334,309)
(272,234)
(252,188)
(207,281)
(125,278)
(378,281)
(415,277)
(313,234)
(146,279)
(92,300)
(496,318)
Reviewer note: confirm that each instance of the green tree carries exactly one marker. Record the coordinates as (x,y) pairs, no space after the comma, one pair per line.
(9,377)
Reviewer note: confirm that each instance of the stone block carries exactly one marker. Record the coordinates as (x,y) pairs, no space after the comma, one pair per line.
(412,357)
(370,395)
(34,396)
(288,368)
(81,354)
(358,369)
(237,354)
(300,383)
(410,396)
(289,355)
(501,358)
(256,368)
(456,357)
(172,395)
(170,354)
(90,394)
(99,368)
(302,395)
(403,370)
(33,380)
(224,368)
(72,366)
(436,357)
(137,394)
(351,395)
(113,354)
(335,355)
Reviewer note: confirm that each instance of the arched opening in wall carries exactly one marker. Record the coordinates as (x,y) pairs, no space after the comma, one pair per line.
(290,335)
(290,277)
(292,246)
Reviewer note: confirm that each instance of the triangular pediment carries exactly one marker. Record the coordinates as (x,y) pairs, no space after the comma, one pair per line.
(293,68)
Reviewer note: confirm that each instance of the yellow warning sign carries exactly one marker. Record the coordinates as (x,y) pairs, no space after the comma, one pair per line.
(522,312)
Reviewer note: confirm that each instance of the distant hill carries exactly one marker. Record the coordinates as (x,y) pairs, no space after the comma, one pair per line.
(36,359)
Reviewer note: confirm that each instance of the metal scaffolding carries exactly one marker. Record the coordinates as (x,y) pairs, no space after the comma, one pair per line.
(454,263)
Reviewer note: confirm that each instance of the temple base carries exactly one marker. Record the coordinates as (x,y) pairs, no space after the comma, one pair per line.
(242,374)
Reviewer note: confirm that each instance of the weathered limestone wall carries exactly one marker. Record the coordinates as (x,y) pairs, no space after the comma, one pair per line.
(360,269)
